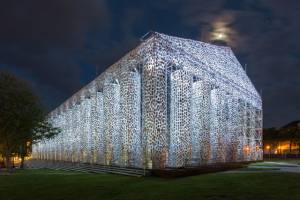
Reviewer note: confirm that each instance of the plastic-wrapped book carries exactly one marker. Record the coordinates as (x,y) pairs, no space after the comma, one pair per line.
(170,102)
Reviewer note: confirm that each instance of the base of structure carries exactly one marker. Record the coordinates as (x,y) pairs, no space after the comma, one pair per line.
(137,172)
(85,167)
(204,169)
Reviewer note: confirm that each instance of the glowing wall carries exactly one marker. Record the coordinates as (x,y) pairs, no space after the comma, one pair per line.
(170,102)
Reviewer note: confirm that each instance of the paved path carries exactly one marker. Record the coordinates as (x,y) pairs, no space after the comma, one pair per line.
(269,166)
(280,166)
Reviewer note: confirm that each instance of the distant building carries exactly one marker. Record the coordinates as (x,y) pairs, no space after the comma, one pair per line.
(170,102)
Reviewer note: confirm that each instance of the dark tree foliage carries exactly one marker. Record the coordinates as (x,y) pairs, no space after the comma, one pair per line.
(270,134)
(286,133)
(292,134)
(22,118)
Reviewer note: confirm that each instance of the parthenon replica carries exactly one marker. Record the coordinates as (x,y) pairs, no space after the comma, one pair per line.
(168,103)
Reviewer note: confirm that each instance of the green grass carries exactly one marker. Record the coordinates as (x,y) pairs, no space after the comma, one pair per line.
(287,160)
(275,162)
(264,164)
(54,185)
(258,169)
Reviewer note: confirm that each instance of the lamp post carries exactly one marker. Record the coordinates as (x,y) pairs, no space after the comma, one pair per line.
(279,149)
(269,150)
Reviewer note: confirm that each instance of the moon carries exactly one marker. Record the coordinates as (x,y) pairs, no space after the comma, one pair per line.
(222,31)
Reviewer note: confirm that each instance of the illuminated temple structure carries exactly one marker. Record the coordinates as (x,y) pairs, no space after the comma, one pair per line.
(170,102)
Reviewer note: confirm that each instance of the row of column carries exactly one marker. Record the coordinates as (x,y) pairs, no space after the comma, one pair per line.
(105,128)
(209,124)
(156,120)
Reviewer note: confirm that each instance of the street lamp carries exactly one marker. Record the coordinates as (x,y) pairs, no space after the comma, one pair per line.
(269,150)
(279,150)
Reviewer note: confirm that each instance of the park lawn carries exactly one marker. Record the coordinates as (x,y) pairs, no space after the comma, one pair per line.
(287,160)
(276,162)
(54,185)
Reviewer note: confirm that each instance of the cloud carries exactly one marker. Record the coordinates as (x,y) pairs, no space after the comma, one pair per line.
(45,39)
(270,46)
(264,35)
(57,43)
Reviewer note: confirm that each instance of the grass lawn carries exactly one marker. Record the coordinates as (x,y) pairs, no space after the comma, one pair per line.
(52,184)
(287,160)
(276,161)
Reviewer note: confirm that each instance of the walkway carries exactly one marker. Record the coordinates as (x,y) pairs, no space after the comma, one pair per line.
(269,166)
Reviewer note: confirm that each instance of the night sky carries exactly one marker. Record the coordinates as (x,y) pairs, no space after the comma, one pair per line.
(60,45)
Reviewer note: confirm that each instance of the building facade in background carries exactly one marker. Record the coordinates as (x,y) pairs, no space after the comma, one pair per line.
(170,102)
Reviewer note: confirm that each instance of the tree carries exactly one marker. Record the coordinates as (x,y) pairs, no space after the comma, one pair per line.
(22,118)
(271,135)
(43,130)
(291,133)
(271,138)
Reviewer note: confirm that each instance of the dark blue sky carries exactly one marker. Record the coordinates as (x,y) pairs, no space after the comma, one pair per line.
(57,44)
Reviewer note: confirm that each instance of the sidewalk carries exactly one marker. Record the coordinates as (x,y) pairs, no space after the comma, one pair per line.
(269,166)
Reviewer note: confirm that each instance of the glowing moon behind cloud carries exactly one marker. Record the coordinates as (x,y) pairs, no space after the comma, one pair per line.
(222,31)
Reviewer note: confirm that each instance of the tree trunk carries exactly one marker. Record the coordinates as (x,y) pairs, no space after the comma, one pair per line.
(22,154)
(22,161)
(8,161)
